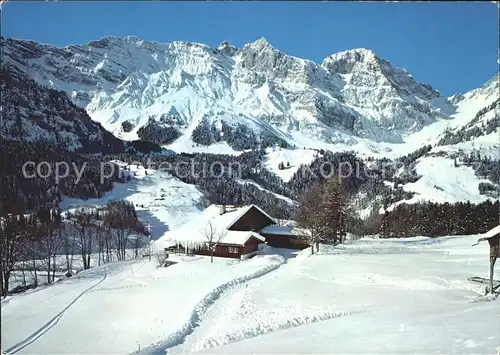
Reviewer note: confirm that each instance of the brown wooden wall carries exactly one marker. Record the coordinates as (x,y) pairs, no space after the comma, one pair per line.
(222,250)
(253,220)
(285,241)
(495,246)
(251,246)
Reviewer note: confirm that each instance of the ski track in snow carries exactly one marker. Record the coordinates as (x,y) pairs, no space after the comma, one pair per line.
(255,310)
(203,305)
(209,334)
(269,326)
(53,322)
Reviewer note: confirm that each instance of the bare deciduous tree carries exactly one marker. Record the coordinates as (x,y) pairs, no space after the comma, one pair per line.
(212,238)
(86,230)
(161,257)
(49,241)
(11,244)
(69,247)
(310,216)
(280,222)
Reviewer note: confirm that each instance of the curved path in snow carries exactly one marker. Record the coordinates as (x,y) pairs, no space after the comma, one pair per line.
(204,304)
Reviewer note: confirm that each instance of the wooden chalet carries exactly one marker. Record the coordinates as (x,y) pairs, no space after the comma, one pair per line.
(244,228)
(288,237)
(236,244)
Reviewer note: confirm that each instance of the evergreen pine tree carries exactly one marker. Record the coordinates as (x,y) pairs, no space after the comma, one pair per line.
(384,226)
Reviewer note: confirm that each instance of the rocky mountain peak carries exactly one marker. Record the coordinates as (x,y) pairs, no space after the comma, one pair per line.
(227,48)
(456,98)
(346,61)
(353,93)
(492,84)
(260,44)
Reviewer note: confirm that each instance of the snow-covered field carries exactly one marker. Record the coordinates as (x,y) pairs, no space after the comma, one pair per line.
(368,296)
(295,157)
(122,306)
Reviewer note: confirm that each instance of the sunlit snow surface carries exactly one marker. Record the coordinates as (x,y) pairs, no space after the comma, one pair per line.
(159,198)
(368,296)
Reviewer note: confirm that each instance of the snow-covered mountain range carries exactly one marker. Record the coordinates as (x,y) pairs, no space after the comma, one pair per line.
(190,97)
(184,94)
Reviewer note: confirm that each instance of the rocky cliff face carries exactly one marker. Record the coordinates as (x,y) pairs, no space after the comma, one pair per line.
(126,83)
(388,96)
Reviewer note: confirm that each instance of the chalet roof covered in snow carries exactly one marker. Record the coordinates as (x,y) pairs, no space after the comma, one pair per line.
(284,230)
(193,231)
(240,237)
(245,210)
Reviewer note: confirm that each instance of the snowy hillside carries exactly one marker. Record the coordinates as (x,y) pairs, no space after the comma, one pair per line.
(164,91)
(475,108)
(369,296)
(458,184)
(291,160)
(161,199)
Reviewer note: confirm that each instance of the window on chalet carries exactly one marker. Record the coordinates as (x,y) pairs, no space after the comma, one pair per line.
(233,250)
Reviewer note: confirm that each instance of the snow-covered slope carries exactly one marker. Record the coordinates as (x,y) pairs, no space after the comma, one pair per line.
(255,94)
(291,160)
(455,184)
(465,150)
(121,307)
(375,297)
(159,198)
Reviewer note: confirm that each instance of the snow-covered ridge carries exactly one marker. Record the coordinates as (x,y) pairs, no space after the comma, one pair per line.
(352,97)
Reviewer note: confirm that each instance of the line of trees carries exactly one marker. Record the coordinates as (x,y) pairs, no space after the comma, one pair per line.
(48,241)
(322,211)
(26,194)
(433,219)
(219,176)
(474,128)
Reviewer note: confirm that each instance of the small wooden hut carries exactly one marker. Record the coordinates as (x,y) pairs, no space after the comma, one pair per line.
(493,238)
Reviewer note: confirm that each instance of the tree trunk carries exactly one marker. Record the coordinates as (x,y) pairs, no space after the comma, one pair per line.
(6,277)
(67,261)
(492,269)
(1,282)
(72,254)
(89,251)
(53,266)
(99,254)
(24,273)
(35,273)
(48,269)
(108,249)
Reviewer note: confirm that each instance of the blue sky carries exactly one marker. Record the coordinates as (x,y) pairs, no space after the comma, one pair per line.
(452,46)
